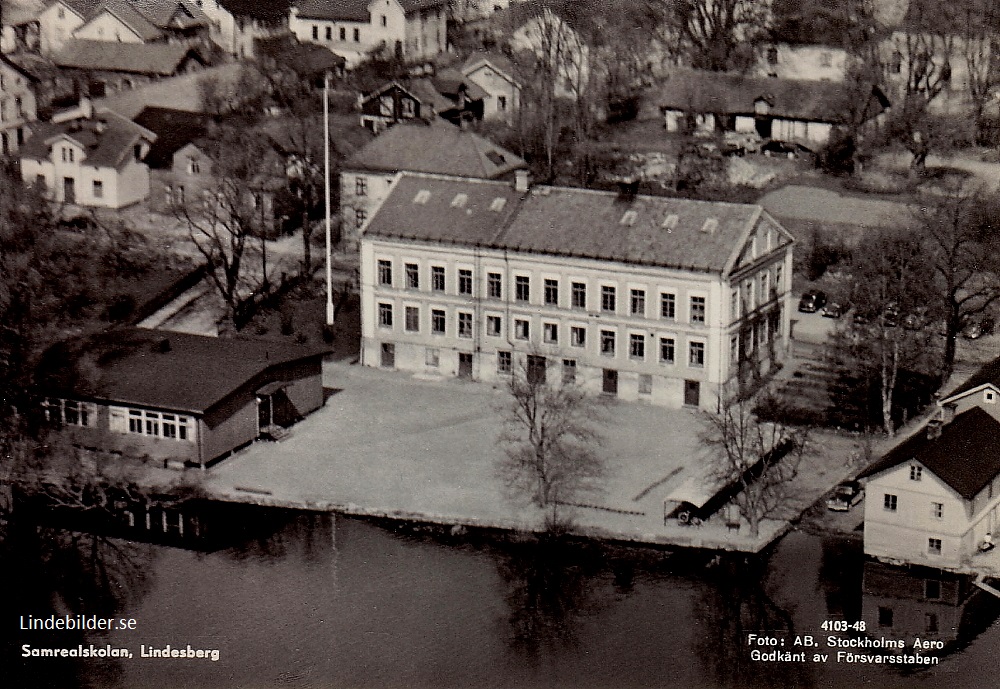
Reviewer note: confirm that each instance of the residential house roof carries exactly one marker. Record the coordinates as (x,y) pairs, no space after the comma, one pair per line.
(174,129)
(271,10)
(497,61)
(305,59)
(152,59)
(355,10)
(150,368)
(107,138)
(84,8)
(988,374)
(450,82)
(18,68)
(964,456)
(737,94)
(650,230)
(183,92)
(131,17)
(437,148)
(170,14)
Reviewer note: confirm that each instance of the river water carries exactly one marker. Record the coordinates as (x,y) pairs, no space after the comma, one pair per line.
(316,601)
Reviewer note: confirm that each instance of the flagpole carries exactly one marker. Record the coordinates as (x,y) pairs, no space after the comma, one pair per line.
(326,178)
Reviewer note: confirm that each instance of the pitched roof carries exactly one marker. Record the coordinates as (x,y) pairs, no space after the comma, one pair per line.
(190,373)
(988,374)
(131,17)
(174,129)
(497,61)
(159,59)
(450,82)
(965,455)
(355,10)
(272,10)
(305,59)
(436,148)
(107,138)
(547,220)
(181,92)
(84,8)
(169,14)
(18,68)
(736,94)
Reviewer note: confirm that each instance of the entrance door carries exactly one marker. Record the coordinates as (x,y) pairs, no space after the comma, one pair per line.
(692,393)
(763,126)
(610,381)
(388,355)
(536,368)
(69,190)
(464,365)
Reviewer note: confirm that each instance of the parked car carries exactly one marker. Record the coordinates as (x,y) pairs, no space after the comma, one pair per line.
(836,309)
(890,316)
(846,495)
(812,301)
(784,148)
(975,329)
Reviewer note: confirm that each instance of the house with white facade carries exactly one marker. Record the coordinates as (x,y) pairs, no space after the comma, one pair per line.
(662,300)
(17,106)
(411,30)
(495,75)
(60,19)
(238,24)
(815,62)
(792,110)
(90,157)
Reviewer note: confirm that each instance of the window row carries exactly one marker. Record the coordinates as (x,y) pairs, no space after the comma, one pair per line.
(341,32)
(636,302)
(756,291)
(69,412)
(151,423)
(890,503)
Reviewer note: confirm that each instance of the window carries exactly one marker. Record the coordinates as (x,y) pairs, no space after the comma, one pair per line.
(169,426)
(667,350)
(777,280)
(896,63)
(579,294)
(432,357)
(493,324)
(578,336)
(608,342)
(930,623)
(437,278)
(637,346)
(697,309)
(550,332)
(412,314)
(825,59)
(569,371)
(464,281)
(152,423)
(98,189)
(932,589)
(645,384)
(608,299)
(464,324)
(501,102)
(990,397)
(937,510)
(933,546)
(385,20)
(385,315)
(67,154)
(359,217)
(437,322)
(135,421)
(521,329)
(504,362)
(734,349)
(357,35)
(696,354)
(638,302)
(412,276)
(884,616)
(384,272)
(343,33)
(552,292)
(890,502)
(522,288)
(494,286)
(916,472)
(360,186)
(668,306)
(69,412)
(765,287)
(194,166)
(315,32)
(329,33)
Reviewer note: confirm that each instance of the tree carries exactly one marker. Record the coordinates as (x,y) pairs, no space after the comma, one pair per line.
(225,221)
(980,43)
(962,252)
(550,430)
(760,457)
(719,35)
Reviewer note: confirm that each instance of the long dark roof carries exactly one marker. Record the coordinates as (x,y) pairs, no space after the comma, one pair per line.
(174,129)
(965,455)
(156,59)
(269,10)
(162,370)
(988,374)
(690,235)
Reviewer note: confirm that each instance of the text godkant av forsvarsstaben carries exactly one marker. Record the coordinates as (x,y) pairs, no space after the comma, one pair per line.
(841,657)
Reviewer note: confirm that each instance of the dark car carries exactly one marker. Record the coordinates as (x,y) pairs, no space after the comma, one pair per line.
(836,309)
(784,148)
(812,301)
(845,496)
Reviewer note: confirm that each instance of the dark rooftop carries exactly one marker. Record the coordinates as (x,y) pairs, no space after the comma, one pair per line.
(107,138)
(162,370)
(154,59)
(354,10)
(964,456)
(988,374)
(174,129)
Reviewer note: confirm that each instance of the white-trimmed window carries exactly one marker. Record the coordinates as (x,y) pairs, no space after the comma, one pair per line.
(696,354)
(990,397)
(668,350)
(916,472)
(668,306)
(890,502)
(432,357)
(637,302)
(385,315)
(645,384)
(412,319)
(578,336)
(608,343)
(494,325)
(504,362)
(465,281)
(69,412)
(522,329)
(385,272)
(438,322)
(494,285)
(156,424)
(437,278)
(550,333)
(609,298)
(522,288)
(697,309)
(464,324)
(412,276)
(551,292)
(637,346)
(98,189)
(933,546)
(937,510)
(579,295)
(360,184)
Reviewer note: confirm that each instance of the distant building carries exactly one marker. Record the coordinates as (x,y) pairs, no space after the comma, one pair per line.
(447,95)
(176,398)
(100,68)
(17,105)
(89,157)
(238,24)
(411,30)
(643,298)
(495,75)
(437,148)
(803,61)
(789,110)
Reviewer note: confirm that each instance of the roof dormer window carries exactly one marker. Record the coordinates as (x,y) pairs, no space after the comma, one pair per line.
(710,226)
(459,201)
(629,218)
(498,204)
(422,197)
(670,222)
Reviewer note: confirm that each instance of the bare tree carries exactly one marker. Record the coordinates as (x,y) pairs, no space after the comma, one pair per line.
(980,43)
(550,431)
(719,35)
(759,457)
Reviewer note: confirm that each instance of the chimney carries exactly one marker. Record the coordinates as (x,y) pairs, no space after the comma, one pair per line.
(522,181)
(934,427)
(86,108)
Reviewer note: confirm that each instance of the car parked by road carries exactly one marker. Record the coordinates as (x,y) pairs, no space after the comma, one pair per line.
(846,495)
(812,301)
(836,309)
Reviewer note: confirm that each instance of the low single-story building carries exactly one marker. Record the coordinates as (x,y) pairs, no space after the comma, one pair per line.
(176,398)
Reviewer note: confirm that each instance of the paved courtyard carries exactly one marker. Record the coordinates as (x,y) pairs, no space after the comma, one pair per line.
(388,444)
